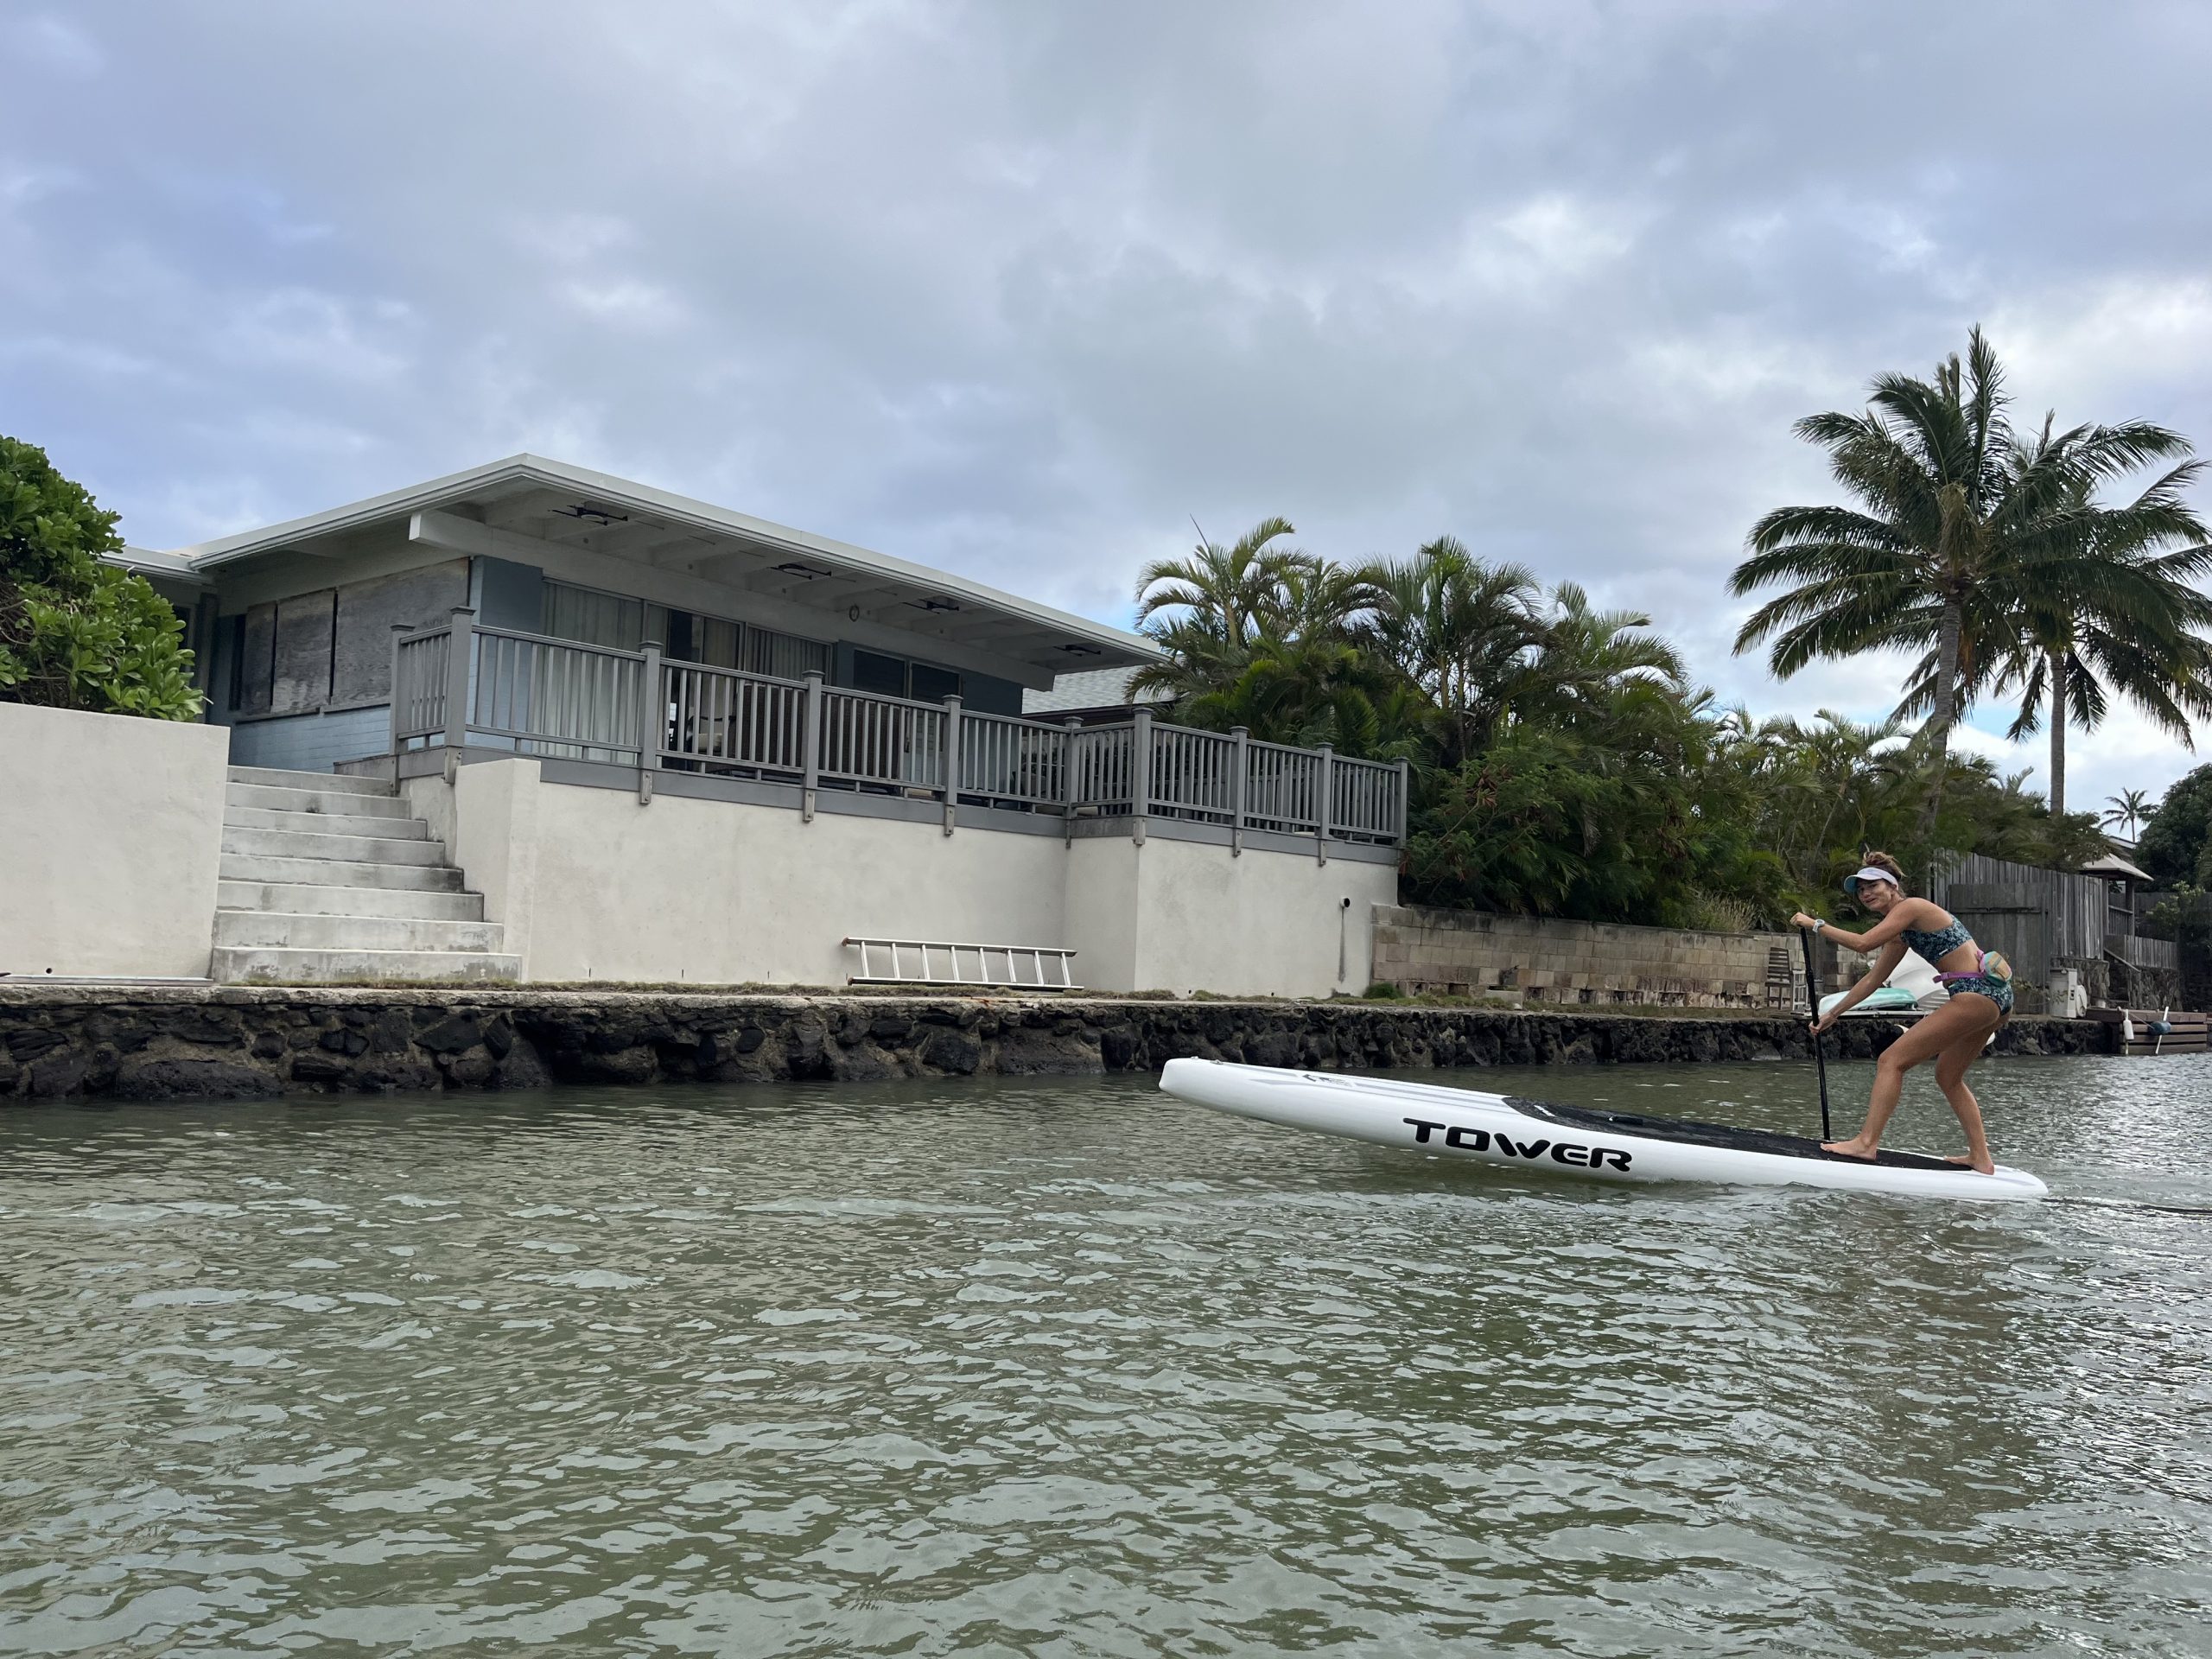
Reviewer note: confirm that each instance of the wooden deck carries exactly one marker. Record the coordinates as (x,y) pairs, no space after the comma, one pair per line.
(2187,1035)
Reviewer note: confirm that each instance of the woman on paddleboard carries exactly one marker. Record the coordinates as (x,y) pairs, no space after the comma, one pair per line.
(1980,983)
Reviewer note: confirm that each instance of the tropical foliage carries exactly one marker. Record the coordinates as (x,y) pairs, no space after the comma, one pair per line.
(1562,762)
(75,633)
(1993,557)
(2176,846)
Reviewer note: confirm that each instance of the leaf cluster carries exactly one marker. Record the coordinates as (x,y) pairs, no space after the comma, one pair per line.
(76,632)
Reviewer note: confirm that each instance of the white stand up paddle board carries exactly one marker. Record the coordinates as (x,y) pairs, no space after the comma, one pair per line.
(1517,1134)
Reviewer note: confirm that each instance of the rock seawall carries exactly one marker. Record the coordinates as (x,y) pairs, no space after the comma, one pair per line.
(233,1042)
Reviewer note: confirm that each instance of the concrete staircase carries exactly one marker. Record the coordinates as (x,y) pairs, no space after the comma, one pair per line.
(327,878)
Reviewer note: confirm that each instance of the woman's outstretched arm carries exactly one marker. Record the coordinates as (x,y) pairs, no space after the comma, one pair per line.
(1907,912)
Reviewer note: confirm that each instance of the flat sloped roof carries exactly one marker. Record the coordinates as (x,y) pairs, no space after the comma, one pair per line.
(551,501)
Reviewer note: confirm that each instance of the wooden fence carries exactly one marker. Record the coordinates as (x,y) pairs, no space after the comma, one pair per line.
(2044,920)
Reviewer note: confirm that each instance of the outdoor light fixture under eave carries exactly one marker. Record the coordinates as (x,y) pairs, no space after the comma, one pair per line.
(934,604)
(1080,649)
(590,514)
(800,568)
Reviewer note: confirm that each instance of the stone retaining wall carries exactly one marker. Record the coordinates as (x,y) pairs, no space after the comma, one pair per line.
(230,1042)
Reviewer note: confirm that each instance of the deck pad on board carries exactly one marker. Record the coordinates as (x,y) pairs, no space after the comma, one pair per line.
(1716,1134)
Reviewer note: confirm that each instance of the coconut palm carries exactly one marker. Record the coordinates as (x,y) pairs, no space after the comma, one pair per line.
(2115,612)
(1951,507)
(2106,603)
(2130,807)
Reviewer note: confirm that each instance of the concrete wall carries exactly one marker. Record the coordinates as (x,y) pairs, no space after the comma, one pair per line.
(1174,915)
(590,884)
(1466,952)
(111,831)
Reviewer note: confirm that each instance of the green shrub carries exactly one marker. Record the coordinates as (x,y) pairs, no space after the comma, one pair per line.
(75,633)
(2177,842)
(1384,991)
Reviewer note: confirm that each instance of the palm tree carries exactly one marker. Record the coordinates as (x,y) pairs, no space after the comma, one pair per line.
(1227,589)
(2130,807)
(2112,609)
(1222,594)
(1587,657)
(1951,505)
(1271,640)
(1316,599)
(1461,629)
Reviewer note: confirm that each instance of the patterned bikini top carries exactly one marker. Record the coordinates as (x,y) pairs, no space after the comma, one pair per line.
(1940,944)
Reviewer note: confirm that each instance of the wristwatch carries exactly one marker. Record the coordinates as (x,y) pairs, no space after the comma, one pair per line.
(1818,924)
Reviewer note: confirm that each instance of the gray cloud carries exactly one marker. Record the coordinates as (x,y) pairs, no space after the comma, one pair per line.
(1018,289)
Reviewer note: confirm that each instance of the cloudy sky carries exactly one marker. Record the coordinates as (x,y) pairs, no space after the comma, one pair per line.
(1022,289)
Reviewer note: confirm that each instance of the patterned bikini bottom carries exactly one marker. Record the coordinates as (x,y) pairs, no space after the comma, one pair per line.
(1993,979)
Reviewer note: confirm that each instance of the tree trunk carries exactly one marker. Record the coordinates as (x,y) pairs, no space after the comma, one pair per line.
(2057,732)
(1940,718)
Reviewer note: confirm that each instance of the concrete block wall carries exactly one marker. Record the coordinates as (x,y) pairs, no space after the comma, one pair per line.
(1554,962)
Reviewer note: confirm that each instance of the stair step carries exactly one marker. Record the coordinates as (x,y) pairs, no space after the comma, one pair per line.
(322,824)
(336,802)
(327,782)
(337,873)
(303,899)
(353,849)
(275,965)
(323,931)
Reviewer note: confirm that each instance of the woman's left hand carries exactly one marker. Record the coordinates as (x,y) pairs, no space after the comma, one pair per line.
(1801,919)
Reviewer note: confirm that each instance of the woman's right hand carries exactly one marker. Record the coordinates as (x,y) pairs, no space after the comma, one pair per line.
(1824,1024)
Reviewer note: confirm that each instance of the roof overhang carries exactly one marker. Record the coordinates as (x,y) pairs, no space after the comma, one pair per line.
(523,501)
(2112,867)
(147,562)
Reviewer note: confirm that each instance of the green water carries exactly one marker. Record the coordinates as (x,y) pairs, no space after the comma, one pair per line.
(1068,1368)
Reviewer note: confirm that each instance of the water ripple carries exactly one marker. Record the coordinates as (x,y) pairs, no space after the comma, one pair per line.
(1070,1370)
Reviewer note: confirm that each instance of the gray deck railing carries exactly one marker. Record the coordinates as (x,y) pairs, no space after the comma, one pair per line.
(461,684)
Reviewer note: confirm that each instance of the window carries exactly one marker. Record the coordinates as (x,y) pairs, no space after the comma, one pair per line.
(784,655)
(928,684)
(591,618)
(886,676)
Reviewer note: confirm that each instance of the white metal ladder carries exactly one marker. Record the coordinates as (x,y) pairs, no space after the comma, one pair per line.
(931,961)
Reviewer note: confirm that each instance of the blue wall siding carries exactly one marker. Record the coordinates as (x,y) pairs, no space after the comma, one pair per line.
(312,742)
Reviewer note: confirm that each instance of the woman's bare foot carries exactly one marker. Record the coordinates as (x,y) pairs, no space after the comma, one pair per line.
(1855,1147)
(1985,1164)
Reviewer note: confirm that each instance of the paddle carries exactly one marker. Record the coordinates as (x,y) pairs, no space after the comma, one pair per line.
(1819,1052)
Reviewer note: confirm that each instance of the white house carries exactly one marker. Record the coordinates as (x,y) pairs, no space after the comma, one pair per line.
(564,727)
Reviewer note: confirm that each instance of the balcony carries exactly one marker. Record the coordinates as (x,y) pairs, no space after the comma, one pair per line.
(462,687)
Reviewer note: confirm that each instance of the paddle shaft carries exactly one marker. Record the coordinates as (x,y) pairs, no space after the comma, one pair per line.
(1820,1050)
